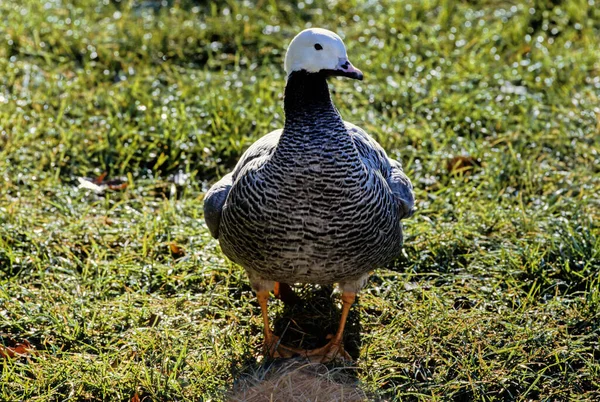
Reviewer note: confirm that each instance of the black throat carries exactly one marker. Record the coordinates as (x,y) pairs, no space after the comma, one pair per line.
(306,94)
(314,132)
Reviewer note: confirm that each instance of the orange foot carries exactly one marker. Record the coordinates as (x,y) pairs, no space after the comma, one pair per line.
(274,349)
(325,354)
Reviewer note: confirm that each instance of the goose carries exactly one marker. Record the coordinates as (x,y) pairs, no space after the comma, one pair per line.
(318,201)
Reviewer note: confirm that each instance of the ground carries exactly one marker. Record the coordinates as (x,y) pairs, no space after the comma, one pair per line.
(492,106)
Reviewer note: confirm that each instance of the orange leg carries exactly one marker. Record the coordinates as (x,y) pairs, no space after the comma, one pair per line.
(272,345)
(284,292)
(277,290)
(334,347)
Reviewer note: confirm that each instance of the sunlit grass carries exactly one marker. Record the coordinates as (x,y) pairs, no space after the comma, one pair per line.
(496,296)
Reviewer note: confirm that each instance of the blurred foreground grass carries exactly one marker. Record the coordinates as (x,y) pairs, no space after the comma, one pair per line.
(497,296)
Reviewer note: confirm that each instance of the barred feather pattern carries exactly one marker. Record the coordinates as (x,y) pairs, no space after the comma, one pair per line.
(313,203)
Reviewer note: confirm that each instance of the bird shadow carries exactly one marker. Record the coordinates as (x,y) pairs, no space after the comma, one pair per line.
(305,325)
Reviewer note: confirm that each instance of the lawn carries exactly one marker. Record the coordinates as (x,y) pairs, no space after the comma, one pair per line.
(121,294)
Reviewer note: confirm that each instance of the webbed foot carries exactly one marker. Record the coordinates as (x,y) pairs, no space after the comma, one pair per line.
(275,349)
(325,354)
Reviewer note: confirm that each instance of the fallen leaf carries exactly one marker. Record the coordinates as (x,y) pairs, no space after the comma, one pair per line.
(99,184)
(100,179)
(118,183)
(525,49)
(176,250)
(461,164)
(20,349)
(118,187)
(135,398)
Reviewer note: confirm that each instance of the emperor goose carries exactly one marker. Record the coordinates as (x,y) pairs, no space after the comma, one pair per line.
(318,201)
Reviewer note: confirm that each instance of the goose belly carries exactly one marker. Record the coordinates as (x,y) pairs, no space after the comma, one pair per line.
(318,233)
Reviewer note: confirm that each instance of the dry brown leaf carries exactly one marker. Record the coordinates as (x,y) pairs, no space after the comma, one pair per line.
(461,164)
(20,349)
(116,184)
(100,179)
(117,187)
(176,250)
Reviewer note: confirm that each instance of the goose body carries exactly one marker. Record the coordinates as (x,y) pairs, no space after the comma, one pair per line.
(316,202)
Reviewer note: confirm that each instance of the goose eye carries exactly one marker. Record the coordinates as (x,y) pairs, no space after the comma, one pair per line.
(318,46)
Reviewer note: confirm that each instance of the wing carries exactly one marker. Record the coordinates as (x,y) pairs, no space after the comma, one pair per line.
(263,148)
(213,203)
(215,198)
(402,189)
(375,158)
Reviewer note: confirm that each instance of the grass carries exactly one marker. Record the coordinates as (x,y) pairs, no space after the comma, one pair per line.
(124,294)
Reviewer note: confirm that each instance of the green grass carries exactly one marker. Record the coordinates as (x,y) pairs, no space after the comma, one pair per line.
(497,295)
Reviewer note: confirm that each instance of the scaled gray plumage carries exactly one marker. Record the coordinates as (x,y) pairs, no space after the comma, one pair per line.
(316,202)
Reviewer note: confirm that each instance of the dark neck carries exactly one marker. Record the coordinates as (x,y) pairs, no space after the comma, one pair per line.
(305,94)
(314,131)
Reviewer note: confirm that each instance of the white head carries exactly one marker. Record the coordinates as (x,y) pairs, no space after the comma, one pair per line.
(319,50)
